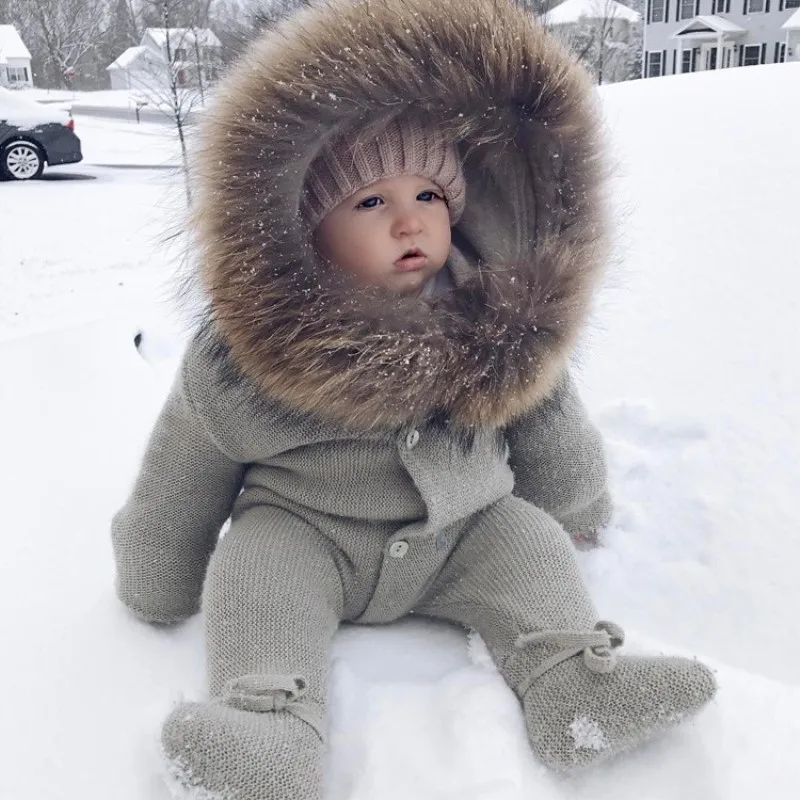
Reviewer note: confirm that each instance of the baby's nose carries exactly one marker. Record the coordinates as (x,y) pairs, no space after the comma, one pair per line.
(408,223)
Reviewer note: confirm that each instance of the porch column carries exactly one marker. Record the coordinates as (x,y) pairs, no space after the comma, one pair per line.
(720,51)
(680,56)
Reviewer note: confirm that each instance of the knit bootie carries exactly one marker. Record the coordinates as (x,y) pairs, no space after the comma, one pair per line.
(259,741)
(585,704)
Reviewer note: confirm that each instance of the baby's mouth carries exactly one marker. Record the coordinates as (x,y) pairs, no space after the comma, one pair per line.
(412,259)
(412,251)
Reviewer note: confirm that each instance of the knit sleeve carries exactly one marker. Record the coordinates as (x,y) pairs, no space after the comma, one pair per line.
(559,465)
(164,534)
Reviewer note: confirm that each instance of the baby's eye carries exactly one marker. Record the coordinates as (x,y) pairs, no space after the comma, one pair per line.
(369,202)
(429,195)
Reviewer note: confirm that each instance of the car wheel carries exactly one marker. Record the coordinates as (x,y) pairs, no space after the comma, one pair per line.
(22,161)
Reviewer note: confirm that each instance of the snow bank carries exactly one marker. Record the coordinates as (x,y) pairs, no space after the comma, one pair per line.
(691,366)
(688,369)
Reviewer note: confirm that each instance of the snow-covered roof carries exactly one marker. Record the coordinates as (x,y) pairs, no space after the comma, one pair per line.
(181,37)
(704,24)
(127,58)
(793,23)
(11,46)
(573,11)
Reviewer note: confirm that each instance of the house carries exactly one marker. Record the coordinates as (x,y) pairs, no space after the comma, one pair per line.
(193,53)
(136,68)
(692,35)
(15,59)
(604,35)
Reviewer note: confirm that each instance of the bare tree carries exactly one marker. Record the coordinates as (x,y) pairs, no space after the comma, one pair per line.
(606,41)
(237,22)
(172,81)
(64,31)
(536,7)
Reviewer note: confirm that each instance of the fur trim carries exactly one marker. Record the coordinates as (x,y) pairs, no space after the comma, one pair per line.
(526,253)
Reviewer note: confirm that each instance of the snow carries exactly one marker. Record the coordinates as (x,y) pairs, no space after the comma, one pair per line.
(712,21)
(104,98)
(587,734)
(11,45)
(112,99)
(793,23)
(573,11)
(183,37)
(687,368)
(127,58)
(23,112)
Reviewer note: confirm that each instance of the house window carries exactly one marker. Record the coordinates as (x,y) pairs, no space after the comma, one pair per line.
(686,61)
(780,52)
(17,74)
(723,6)
(752,55)
(687,9)
(655,67)
(180,53)
(792,4)
(755,6)
(657,10)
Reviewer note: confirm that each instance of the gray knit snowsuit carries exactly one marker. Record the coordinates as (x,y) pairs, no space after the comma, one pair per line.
(383,456)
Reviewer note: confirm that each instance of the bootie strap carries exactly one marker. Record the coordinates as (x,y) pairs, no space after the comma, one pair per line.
(262,693)
(598,647)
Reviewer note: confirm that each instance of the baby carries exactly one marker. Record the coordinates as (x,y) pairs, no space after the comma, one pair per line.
(379,398)
(385,218)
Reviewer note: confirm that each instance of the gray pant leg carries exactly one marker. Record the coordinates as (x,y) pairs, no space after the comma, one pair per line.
(513,571)
(272,601)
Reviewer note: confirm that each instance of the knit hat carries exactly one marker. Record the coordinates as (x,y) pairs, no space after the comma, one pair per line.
(405,146)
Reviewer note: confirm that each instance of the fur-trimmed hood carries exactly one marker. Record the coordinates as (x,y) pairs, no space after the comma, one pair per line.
(526,253)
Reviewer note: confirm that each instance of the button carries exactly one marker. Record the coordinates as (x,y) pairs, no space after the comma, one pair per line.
(398,549)
(412,438)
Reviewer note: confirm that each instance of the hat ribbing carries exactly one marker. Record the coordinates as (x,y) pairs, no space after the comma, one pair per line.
(405,146)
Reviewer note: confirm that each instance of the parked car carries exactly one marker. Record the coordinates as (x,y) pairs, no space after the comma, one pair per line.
(32,135)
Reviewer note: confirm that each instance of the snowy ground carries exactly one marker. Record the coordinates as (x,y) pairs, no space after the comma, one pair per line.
(118,103)
(107,98)
(688,370)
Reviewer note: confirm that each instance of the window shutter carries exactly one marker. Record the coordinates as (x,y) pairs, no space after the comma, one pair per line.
(776,52)
(741,55)
(666,11)
(649,14)
(697,8)
(674,62)
(780,6)
(763,54)
(744,8)
(766,7)
(664,62)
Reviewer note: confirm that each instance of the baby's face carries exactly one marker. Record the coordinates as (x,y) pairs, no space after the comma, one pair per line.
(367,235)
